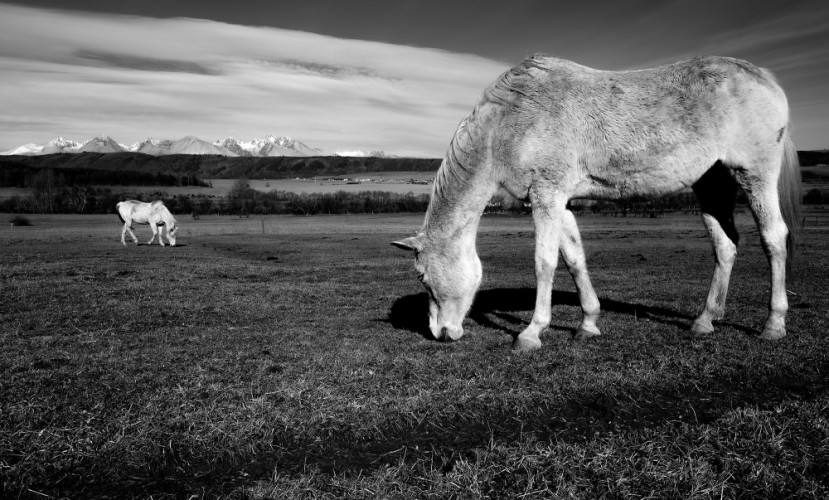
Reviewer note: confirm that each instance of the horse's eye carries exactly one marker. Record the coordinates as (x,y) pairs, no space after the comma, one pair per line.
(421,277)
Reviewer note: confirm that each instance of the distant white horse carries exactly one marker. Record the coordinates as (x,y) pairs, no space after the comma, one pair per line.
(155,214)
(550,130)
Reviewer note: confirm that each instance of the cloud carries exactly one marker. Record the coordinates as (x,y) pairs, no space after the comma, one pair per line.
(328,70)
(145,63)
(132,77)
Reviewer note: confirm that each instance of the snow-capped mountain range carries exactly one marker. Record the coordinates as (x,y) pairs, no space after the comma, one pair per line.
(189,145)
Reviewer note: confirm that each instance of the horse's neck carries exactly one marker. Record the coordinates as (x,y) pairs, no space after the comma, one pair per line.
(455,213)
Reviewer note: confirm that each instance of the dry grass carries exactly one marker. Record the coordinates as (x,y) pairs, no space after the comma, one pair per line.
(291,364)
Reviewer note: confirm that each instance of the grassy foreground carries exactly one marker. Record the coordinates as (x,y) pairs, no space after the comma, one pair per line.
(292,364)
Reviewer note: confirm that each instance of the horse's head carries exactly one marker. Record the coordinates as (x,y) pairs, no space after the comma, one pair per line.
(172,229)
(451,273)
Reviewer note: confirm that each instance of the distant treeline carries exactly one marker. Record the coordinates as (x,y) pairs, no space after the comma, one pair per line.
(89,200)
(280,167)
(286,202)
(224,167)
(103,200)
(813,158)
(15,174)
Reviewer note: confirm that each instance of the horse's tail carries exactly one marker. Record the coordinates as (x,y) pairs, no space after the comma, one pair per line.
(118,209)
(789,192)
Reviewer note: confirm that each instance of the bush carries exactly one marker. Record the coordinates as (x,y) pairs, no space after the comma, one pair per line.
(19,220)
(816,196)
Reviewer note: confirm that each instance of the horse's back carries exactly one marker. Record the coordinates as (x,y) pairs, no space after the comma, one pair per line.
(628,133)
(682,94)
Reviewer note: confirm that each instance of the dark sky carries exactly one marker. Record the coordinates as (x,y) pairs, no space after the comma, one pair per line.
(789,37)
(506,30)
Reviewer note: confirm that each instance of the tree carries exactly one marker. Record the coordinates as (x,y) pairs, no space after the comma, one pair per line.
(240,189)
(45,186)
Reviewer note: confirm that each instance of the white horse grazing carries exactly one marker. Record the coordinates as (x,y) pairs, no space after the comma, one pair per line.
(550,130)
(155,214)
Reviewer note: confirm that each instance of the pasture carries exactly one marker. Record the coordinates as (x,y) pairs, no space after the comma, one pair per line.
(285,357)
(395,182)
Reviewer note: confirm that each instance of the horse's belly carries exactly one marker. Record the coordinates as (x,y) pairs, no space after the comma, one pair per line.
(631,185)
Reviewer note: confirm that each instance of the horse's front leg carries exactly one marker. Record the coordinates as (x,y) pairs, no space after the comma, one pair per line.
(573,254)
(547,216)
(155,233)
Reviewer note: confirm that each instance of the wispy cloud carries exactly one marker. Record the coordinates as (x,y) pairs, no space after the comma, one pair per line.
(78,75)
(139,63)
(328,70)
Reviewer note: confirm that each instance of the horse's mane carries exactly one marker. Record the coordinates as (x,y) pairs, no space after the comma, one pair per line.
(159,206)
(467,149)
(455,169)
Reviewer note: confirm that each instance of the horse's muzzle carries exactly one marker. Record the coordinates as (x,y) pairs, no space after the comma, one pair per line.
(448,334)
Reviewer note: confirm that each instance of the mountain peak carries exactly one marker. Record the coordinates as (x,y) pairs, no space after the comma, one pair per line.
(270,145)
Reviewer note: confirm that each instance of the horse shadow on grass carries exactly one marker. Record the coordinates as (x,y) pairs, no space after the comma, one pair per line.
(145,244)
(445,438)
(459,430)
(410,312)
(450,435)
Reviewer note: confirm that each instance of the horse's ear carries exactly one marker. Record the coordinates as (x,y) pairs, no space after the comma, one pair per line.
(414,243)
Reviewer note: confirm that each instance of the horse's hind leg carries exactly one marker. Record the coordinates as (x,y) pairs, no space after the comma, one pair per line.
(774,233)
(573,254)
(125,229)
(134,237)
(716,192)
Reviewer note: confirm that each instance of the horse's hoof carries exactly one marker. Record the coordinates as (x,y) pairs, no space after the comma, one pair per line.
(773,333)
(526,345)
(586,333)
(702,327)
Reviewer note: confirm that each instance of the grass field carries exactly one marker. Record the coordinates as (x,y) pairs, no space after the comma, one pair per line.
(284,357)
